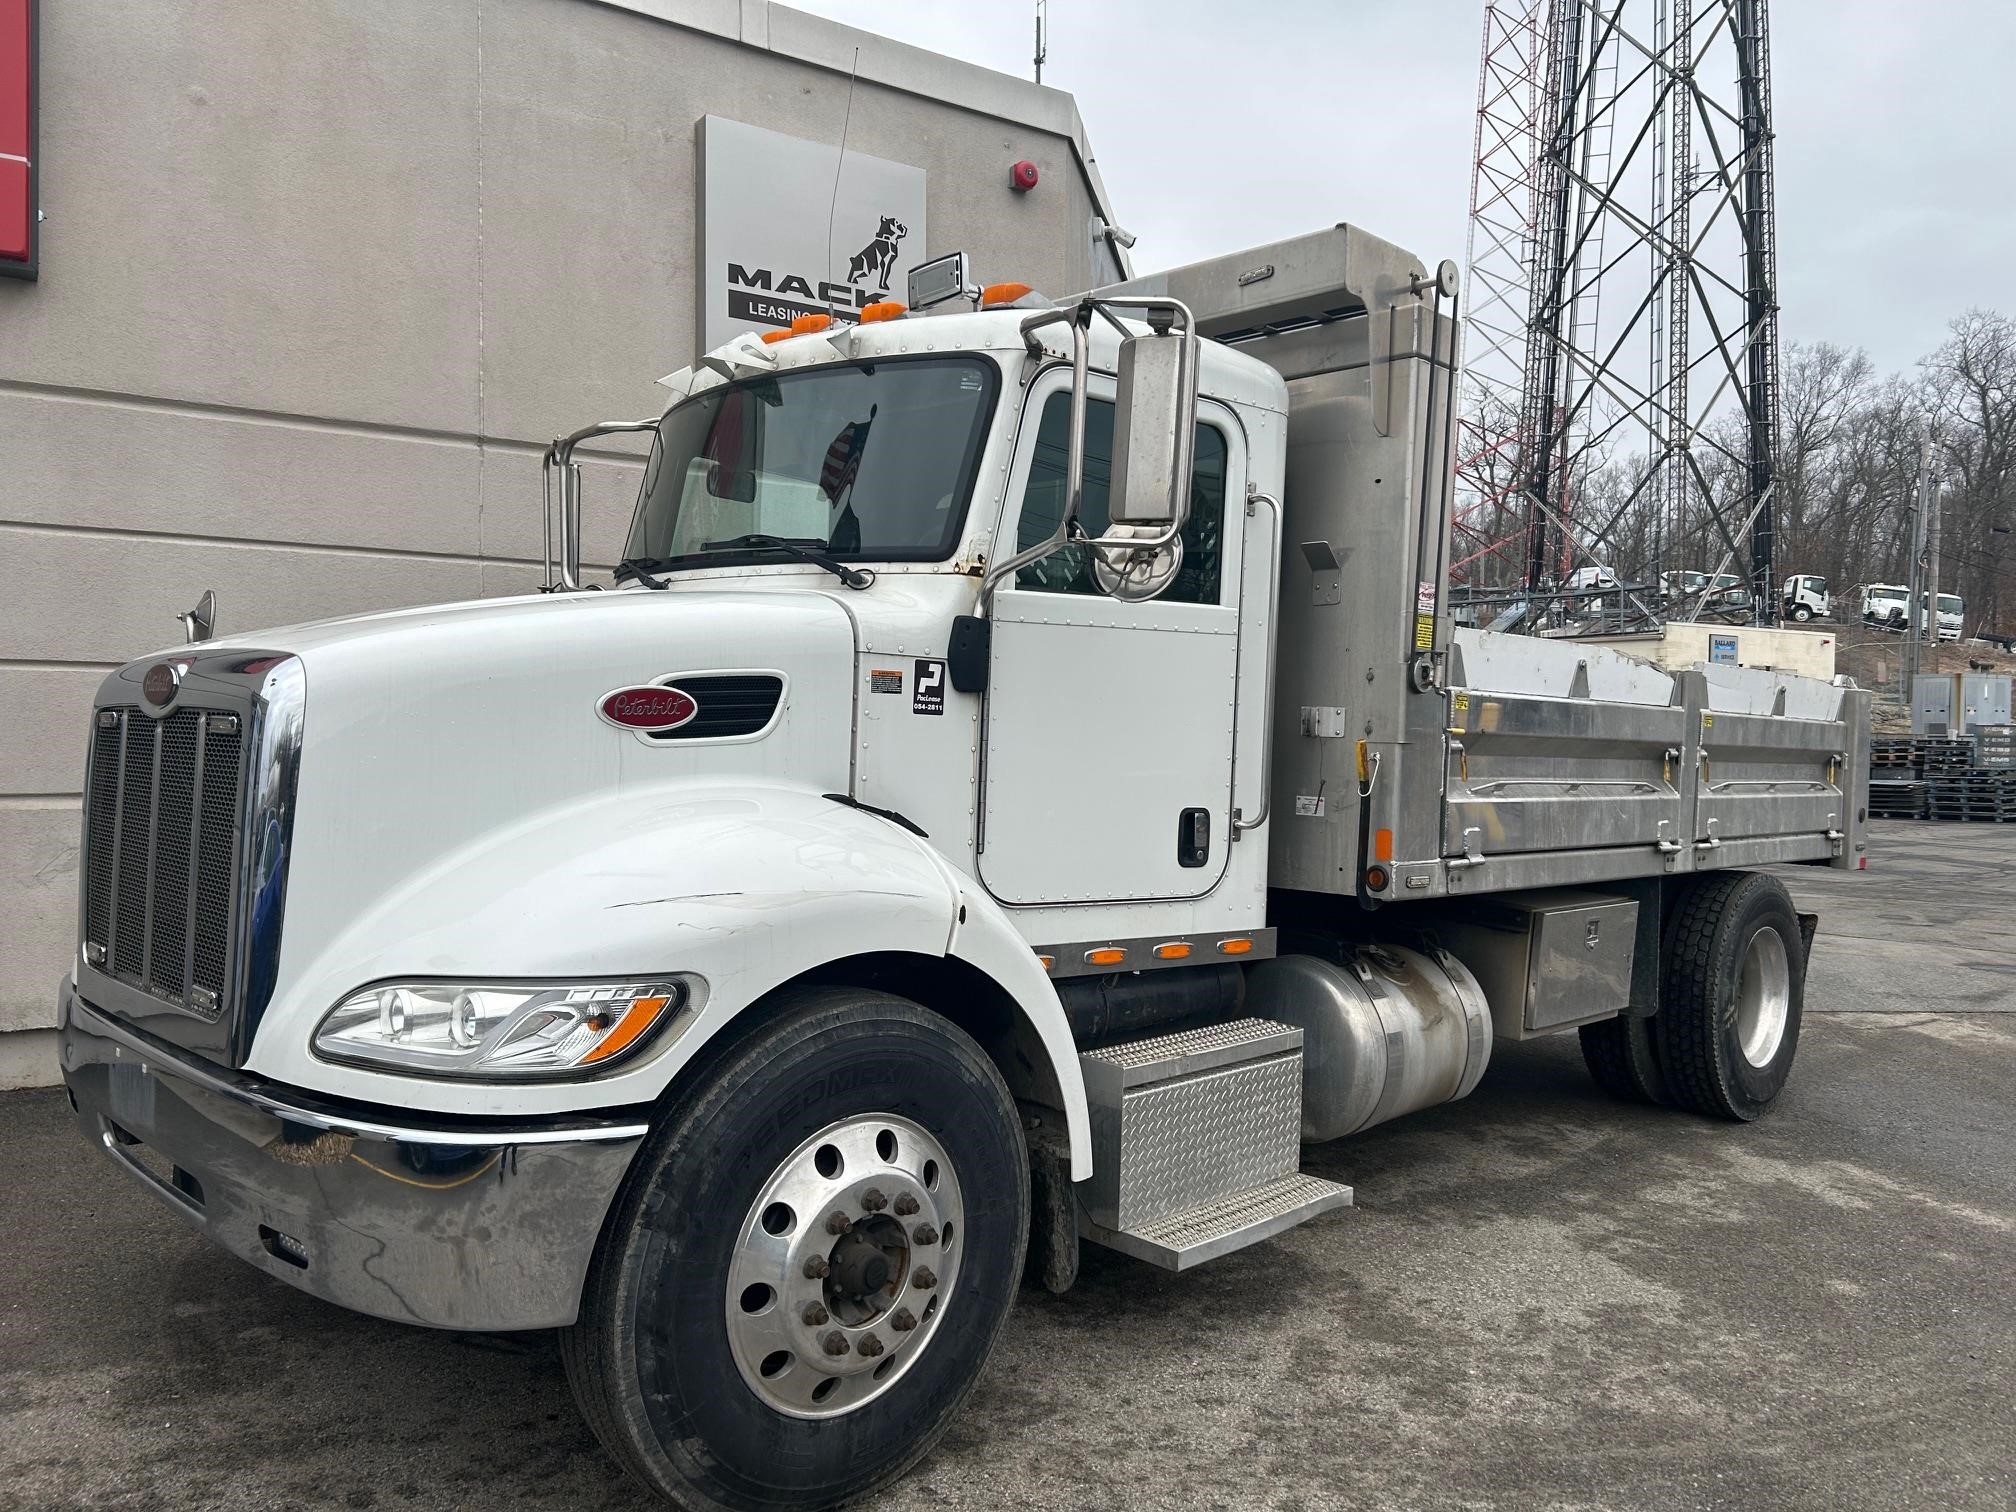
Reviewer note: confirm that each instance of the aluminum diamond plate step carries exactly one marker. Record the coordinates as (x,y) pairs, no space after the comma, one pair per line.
(1204,1233)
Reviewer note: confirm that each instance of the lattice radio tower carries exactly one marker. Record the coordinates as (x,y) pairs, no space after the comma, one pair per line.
(1621,396)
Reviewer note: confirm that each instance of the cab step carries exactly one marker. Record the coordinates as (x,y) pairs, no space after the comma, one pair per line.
(1196,1143)
(1186,1239)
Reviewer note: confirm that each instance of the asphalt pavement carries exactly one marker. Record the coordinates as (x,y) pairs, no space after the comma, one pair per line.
(1543,1299)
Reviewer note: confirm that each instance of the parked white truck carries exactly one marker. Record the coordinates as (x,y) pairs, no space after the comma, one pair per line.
(1024,783)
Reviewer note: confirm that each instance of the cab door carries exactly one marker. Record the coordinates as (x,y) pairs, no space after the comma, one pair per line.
(1107,750)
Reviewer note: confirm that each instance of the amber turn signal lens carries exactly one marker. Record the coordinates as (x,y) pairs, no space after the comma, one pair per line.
(1003,293)
(642,1015)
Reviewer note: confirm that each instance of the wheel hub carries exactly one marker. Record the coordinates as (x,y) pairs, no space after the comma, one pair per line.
(842,1265)
(1763,997)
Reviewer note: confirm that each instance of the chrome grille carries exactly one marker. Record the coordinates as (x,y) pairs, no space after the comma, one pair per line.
(160,831)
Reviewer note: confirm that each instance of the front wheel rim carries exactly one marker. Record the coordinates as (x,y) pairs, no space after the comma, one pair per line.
(844,1266)
(1763,997)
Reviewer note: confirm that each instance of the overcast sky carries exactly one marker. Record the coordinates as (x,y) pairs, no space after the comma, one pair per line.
(1222,125)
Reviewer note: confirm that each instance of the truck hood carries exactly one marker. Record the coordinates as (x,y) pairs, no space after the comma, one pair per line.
(430,734)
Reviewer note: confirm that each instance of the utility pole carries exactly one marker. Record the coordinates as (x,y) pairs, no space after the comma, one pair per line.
(1915,602)
(1932,547)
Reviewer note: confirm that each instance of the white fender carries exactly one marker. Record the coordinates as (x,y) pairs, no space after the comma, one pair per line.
(743,883)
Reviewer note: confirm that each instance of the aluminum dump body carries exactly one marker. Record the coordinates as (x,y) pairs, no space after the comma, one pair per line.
(1464,761)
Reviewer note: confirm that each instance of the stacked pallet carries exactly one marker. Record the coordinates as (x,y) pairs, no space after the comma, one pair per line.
(1978,796)
(1898,798)
(1932,777)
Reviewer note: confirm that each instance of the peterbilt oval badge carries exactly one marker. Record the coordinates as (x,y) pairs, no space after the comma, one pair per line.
(648,708)
(159,685)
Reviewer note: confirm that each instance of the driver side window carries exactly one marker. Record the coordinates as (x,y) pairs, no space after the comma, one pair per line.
(1069,570)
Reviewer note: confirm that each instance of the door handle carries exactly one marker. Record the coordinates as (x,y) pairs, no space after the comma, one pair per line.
(1193,837)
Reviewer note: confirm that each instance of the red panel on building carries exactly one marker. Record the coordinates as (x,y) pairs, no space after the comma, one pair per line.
(17,137)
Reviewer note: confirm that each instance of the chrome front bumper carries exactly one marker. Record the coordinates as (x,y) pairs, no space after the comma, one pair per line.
(465,1223)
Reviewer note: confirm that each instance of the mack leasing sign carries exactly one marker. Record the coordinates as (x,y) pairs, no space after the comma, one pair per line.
(790,228)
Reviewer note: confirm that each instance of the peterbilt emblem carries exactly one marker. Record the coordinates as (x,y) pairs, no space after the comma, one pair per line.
(648,708)
(159,685)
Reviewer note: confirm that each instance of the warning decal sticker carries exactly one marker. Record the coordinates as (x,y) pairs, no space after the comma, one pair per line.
(881,680)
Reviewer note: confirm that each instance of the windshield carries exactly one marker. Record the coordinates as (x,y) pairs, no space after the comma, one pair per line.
(869,461)
(1949,603)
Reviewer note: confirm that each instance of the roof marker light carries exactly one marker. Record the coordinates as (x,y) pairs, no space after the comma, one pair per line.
(882,309)
(1003,294)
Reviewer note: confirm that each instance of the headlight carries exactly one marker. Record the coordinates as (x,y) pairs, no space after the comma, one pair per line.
(500,1029)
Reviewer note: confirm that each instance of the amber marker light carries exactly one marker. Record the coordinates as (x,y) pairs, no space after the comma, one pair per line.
(807,325)
(1046,962)
(882,309)
(1003,293)
(1175,950)
(772,337)
(640,1016)
(1106,955)
(1376,879)
(1237,946)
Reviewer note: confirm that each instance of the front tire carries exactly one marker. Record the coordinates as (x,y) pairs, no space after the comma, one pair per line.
(811,1262)
(1801,613)
(1733,995)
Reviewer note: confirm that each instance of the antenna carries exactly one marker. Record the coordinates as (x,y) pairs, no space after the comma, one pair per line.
(1042,40)
(833,205)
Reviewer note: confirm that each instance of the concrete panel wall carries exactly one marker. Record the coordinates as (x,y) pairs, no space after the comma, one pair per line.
(321,277)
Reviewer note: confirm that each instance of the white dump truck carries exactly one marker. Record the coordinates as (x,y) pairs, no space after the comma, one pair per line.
(1021,783)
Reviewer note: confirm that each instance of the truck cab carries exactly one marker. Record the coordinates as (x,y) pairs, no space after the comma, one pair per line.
(1805,598)
(1020,783)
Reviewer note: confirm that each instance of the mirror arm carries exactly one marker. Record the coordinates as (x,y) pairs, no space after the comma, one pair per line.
(1074,466)
(560,458)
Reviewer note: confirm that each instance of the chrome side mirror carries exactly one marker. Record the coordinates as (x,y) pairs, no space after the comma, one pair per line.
(200,623)
(1154,416)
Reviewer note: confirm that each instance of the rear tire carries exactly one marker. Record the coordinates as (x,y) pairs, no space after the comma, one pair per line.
(705,1357)
(1733,995)
(1622,1055)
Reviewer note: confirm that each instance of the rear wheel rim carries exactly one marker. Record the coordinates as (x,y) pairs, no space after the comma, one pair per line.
(844,1267)
(1763,997)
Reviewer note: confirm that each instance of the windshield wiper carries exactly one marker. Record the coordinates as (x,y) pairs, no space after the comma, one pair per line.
(853,577)
(641,569)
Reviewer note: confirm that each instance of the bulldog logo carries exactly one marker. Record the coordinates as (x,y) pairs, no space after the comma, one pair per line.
(879,256)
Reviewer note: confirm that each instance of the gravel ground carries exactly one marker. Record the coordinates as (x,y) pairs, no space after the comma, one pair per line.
(1542,1300)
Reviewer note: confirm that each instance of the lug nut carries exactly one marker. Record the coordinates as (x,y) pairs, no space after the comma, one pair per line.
(816,1267)
(924,1234)
(904,1320)
(905,1204)
(835,1343)
(923,1278)
(870,1347)
(873,1201)
(814,1314)
(838,1222)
